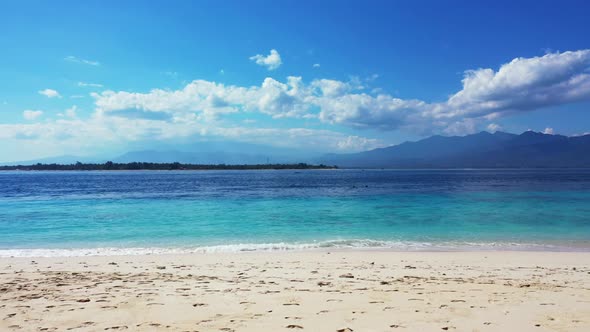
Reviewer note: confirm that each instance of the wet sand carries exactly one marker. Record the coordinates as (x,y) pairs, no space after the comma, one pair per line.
(299,291)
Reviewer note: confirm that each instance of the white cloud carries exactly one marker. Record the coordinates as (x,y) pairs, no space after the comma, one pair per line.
(329,101)
(548,131)
(31,114)
(356,143)
(521,85)
(271,61)
(487,95)
(524,84)
(72,58)
(493,127)
(92,85)
(50,93)
(462,127)
(105,130)
(203,108)
(331,88)
(316,65)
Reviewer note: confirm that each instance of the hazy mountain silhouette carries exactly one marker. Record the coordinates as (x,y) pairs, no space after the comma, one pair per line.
(481,150)
(212,152)
(64,160)
(218,153)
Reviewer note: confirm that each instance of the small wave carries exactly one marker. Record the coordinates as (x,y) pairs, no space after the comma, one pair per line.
(355,244)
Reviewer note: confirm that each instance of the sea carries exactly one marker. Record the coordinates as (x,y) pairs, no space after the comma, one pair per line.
(154,212)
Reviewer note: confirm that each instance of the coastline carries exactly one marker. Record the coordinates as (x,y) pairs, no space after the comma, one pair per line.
(299,290)
(340,245)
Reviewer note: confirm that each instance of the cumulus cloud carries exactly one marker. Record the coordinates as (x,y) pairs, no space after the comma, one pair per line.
(203,108)
(50,93)
(271,61)
(75,59)
(316,65)
(272,97)
(331,101)
(523,84)
(548,131)
(31,114)
(331,88)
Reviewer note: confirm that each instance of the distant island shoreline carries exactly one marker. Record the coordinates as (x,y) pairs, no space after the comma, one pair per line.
(262,167)
(144,166)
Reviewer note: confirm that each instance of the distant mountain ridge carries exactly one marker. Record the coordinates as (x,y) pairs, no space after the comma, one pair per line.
(65,159)
(481,150)
(194,153)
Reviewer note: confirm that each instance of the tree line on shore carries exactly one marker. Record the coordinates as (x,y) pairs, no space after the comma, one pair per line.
(111,166)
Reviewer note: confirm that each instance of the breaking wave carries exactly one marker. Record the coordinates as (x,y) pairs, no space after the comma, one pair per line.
(355,244)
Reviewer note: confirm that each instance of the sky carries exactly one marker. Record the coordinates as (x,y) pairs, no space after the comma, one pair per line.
(91,78)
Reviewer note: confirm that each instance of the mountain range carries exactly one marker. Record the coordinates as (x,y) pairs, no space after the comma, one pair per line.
(209,153)
(482,150)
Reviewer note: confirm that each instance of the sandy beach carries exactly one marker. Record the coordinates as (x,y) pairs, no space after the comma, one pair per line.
(292,291)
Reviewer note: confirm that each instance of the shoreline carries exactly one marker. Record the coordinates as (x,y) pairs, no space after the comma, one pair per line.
(299,291)
(279,248)
(327,168)
(281,254)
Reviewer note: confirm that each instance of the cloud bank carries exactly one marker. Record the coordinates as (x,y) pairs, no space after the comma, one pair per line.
(207,108)
(524,84)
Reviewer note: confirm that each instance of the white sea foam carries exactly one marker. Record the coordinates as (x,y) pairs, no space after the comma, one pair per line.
(358,244)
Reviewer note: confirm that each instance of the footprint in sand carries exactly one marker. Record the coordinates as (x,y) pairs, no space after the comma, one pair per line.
(293,326)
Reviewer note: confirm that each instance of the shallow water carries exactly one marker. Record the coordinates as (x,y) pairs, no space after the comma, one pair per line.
(71,213)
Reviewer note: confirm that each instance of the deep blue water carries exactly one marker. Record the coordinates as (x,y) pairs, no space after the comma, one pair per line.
(111,212)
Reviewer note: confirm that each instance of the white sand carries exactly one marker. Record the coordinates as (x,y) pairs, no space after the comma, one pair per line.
(299,291)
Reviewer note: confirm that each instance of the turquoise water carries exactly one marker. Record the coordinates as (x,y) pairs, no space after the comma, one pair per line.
(63,213)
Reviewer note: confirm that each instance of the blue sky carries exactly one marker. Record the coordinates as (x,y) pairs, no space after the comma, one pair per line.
(103,77)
